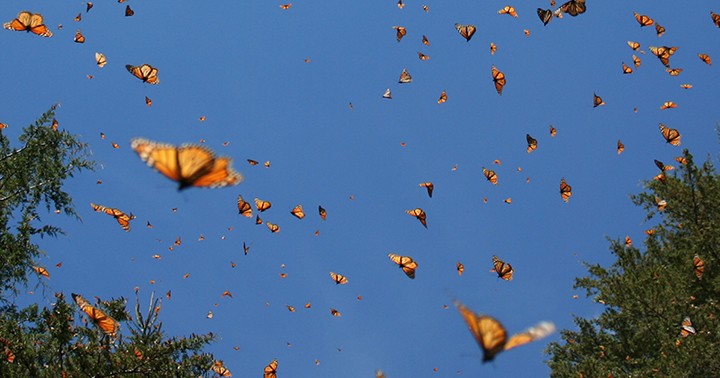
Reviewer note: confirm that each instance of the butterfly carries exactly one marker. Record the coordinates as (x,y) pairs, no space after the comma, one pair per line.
(705,58)
(633,45)
(100,59)
(425,41)
(545,15)
(262,205)
(406,263)
(699,266)
(620,147)
(148,101)
(715,18)
(88,6)
(272,227)
(219,368)
(565,190)
(79,38)
(659,30)
(628,241)
(429,186)
(443,97)
(335,312)
(492,337)
(387,94)
(285,6)
(668,105)
(338,278)
(636,61)
(597,101)
(681,160)
(686,328)
(671,136)
(145,72)
(643,20)
(322,212)
(553,131)
(419,214)
(244,207)
(405,77)
(122,218)
(531,143)
(41,271)
(460,268)
(258,220)
(466,31)
(188,164)
(503,269)
(400,4)
(129,12)
(297,211)
(270,370)
(662,167)
(626,69)
(29,22)
(422,56)
(499,80)
(673,71)
(490,176)
(508,10)
(663,53)
(107,324)
(572,7)
(400,32)
(493,48)
(661,204)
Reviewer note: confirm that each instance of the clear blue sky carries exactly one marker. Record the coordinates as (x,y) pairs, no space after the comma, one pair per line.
(241,64)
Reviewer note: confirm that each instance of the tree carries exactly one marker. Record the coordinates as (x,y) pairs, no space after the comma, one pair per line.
(647,295)
(48,342)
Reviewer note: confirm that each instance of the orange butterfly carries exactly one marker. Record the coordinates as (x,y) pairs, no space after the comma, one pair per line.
(422,56)
(636,61)
(88,6)
(244,207)
(122,218)
(220,369)
(493,48)
(41,271)
(673,71)
(338,278)
(406,263)
(405,77)
(297,211)
(597,101)
(492,337)
(663,53)
(466,31)
(429,186)
(262,205)
(705,58)
(460,268)
(572,7)
(129,12)
(633,45)
(620,147)
(668,105)
(425,41)
(443,97)
(270,370)
(323,213)
(628,241)
(272,227)
(107,324)
(189,165)
(553,131)
(79,38)
(285,6)
(490,176)
(681,160)
(419,214)
(29,22)
(715,18)
(659,30)
(699,266)
(686,328)
(626,69)
(100,59)
(508,10)
(643,20)
(148,101)
(545,15)
(672,136)
(503,269)
(565,190)
(145,72)
(335,312)
(400,32)
(498,79)
(531,143)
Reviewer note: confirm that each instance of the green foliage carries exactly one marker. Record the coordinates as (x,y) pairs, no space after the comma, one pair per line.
(648,294)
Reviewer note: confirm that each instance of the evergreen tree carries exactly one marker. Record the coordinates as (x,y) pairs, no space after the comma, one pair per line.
(648,294)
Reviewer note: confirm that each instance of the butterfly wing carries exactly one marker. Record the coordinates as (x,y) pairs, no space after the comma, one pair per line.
(490,335)
(107,324)
(539,331)
(270,370)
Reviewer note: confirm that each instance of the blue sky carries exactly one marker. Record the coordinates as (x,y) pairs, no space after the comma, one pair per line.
(242,66)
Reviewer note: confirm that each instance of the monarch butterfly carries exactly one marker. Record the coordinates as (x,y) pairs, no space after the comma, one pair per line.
(672,136)
(628,241)
(531,143)
(429,186)
(145,72)
(419,214)
(460,268)
(422,56)
(545,15)
(699,266)
(406,263)
(565,190)
(508,10)
(148,101)
(335,312)
(88,6)
(29,22)
(663,53)
(425,41)
(626,70)
(668,105)
(189,165)
(285,6)
(220,369)
(405,77)
(572,7)
(662,166)
(492,337)
(107,324)
(262,205)
(705,58)
(258,220)
(715,18)
(673,71)
(122,218)
(686,328)
(633,45)
(490,176)
(661,204)
(338,278)
(244,207)
(597,101)
(466,31)
(272,227)
(41,271)
(129,12)
(442,98)
(79,38)
(297,211)
(400,32)
(681,160)
(323,213)
(503,269)
(643,20)
(270,370)
(659,30)
(387,94)
(636,61)
(620,147)
(527,32)
(499,80)
(493,48)
(553,131)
